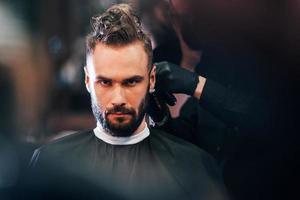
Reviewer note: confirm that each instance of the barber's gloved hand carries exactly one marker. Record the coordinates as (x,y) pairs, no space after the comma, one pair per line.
(171,78)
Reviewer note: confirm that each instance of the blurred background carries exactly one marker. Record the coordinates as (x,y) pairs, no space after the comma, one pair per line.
(42,55)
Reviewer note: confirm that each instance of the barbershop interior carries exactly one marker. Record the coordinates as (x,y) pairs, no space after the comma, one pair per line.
(245,119)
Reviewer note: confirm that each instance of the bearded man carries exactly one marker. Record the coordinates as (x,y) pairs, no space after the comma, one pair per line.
(122,158)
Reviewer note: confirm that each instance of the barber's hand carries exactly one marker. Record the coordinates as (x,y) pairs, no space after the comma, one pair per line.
(171,78)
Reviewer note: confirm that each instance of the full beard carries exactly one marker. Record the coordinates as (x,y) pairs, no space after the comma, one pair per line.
(120,128)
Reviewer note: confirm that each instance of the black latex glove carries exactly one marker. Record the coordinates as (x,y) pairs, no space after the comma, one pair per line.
(171,78)
(158,109)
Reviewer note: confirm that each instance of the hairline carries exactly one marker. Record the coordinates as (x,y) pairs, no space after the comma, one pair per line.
(119,45)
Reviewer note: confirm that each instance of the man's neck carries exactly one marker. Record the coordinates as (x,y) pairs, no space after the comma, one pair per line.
(140,134)
(141,127)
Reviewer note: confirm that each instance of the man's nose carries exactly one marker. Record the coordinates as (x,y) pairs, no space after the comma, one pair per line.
(118,96)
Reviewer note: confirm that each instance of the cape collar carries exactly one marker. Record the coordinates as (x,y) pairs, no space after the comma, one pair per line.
(133,139)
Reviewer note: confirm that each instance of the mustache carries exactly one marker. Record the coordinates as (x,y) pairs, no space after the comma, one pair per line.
(120,109)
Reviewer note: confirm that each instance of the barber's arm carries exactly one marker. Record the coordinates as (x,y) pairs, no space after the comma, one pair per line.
(233,107)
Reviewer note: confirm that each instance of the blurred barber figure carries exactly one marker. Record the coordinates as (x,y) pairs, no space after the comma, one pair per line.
(122,158)
(231,109)
(9,158)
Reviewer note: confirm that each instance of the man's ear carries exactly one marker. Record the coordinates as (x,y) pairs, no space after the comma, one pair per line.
(87,79)
(152,79)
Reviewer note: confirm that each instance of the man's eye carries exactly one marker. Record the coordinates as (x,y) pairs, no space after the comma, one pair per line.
(130,82)
(105,82)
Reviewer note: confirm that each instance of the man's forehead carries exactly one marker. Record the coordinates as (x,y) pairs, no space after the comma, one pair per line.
(129,59)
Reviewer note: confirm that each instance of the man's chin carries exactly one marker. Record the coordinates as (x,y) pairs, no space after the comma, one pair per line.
(120,129)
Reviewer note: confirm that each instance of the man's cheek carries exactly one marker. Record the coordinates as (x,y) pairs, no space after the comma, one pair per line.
(101,102)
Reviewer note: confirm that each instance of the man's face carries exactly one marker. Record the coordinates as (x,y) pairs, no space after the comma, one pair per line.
(117,78)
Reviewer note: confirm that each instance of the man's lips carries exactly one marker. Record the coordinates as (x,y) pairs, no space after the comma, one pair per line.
(119,114)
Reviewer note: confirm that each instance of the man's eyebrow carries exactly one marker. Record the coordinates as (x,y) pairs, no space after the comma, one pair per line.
(100,77)
(135,78)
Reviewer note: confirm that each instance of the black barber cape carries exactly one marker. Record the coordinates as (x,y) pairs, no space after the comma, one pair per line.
(82,166)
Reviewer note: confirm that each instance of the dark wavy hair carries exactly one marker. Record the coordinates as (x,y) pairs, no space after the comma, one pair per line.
(117,26)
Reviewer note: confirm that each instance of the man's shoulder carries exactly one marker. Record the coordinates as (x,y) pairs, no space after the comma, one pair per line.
(177,145)
(63,146)
(75,138)
(186,160)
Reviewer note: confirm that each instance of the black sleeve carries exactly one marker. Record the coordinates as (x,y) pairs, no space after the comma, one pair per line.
(185,125)
(234,107)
